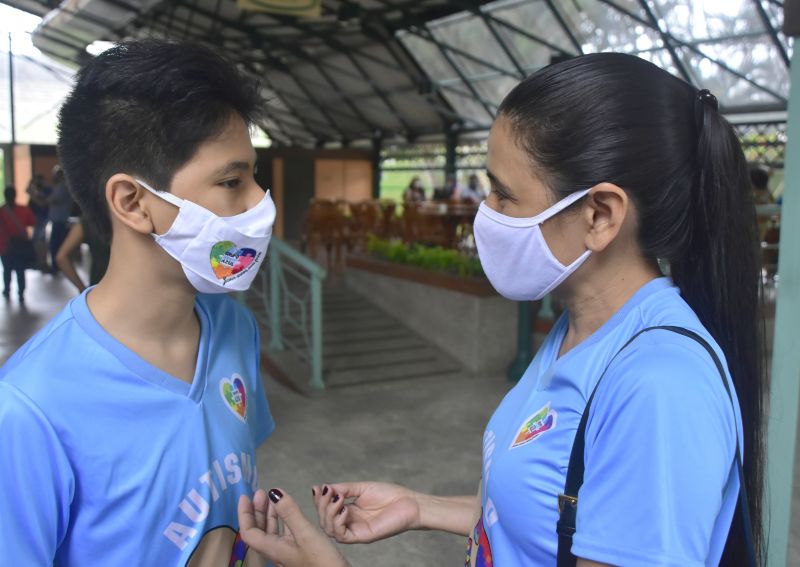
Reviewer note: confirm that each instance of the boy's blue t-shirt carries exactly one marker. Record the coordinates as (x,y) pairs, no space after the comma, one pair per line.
(660,485)
(106,459)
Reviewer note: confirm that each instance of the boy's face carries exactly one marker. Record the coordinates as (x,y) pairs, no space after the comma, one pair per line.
(219,177)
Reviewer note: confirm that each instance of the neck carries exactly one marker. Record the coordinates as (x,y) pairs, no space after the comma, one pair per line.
(143,297)
(593,299)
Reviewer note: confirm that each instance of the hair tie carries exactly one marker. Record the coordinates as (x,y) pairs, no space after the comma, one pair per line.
(705,96)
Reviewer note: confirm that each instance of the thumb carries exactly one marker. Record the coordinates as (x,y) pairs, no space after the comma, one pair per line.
(271,546)
(291,515)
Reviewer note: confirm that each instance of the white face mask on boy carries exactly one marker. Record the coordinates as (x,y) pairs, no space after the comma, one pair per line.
(218,254)
(515,256)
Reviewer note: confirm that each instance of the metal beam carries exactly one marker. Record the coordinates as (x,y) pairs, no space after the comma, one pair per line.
(564,27)
(665,38)
(476,95)
(762,13)
(695,49)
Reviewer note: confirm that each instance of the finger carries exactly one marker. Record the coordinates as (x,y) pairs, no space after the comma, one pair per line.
(340,523)
(324,499)
(334,506)
(349,489)
(292,517)
(272,547)
(272,519)
(260,503)
(247,518)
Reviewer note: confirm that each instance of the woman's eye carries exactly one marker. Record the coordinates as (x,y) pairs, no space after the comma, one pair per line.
(231,183)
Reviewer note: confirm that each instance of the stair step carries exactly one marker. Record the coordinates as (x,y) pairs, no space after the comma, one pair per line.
(395,372)
(376,359)
(338,350)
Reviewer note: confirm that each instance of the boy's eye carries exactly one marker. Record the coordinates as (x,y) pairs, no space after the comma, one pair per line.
(231,183)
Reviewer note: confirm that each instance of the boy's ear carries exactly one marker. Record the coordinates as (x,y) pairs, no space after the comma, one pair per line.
(127,204)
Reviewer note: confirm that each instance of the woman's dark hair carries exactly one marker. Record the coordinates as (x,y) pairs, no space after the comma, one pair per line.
(617,118)
(10,194)
(759,178)
(144,108)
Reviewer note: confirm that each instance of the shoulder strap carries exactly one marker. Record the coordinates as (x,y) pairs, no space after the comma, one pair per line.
(568,502)
(13,217)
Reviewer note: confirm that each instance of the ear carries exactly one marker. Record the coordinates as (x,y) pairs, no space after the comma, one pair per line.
(127,205)
(605,212)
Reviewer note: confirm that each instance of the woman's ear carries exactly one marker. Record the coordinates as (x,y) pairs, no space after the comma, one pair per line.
(605,212)
(125,203)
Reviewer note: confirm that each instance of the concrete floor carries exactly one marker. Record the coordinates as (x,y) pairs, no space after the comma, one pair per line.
(424,433)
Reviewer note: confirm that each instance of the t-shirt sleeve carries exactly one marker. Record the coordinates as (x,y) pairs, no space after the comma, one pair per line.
(263,425)
(659,449)
(36,483)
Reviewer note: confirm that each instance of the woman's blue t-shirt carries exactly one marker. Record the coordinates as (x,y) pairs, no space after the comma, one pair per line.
(660,486)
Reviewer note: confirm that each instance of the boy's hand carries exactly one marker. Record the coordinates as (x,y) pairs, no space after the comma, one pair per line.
(379,510)
(300,545)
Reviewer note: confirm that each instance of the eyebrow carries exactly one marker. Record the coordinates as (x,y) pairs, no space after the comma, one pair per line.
(500,185)
(232,167)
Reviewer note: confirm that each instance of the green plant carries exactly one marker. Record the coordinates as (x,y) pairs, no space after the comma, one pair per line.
(430,258)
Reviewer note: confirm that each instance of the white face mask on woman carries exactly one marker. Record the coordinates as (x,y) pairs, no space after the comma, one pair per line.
(515,255)
(218,254)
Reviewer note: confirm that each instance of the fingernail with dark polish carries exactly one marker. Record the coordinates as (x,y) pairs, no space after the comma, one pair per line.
(275,495)
(336,498)
(313,492)
(340,511)
(324,490)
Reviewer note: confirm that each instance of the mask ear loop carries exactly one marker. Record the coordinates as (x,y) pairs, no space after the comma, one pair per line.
(168,197)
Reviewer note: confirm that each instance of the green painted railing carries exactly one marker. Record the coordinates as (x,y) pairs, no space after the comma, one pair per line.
(291,294)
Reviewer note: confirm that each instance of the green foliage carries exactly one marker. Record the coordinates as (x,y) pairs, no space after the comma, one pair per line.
(430,258)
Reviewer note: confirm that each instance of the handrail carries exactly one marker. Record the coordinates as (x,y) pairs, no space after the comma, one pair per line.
(287,309)
(280,247)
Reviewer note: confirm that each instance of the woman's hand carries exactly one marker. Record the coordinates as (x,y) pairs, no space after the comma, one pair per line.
(300,545)
(363,512)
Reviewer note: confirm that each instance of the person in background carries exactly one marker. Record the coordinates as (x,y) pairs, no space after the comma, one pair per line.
(474,191)
(38,194)
(414,193)
(759,178)
(99,251)
(450,192)
(60,203)
(14,223)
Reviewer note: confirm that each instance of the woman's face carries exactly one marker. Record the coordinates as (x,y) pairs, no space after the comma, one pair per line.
(516,191)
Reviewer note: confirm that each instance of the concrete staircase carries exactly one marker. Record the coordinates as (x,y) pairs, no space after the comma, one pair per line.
(361,345)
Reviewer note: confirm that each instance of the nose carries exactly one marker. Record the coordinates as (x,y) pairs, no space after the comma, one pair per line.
(255,195)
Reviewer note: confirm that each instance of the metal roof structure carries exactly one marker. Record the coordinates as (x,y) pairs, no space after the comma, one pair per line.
(407,69)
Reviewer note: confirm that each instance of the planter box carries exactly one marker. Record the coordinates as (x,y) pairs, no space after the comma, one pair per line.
(463,316)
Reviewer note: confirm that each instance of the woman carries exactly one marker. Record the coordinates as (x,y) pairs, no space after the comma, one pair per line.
(601,168)
(99,252)
(15,246)
(414,193)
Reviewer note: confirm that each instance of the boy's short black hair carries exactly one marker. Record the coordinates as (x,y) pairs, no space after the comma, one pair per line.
(759,178)
(143,108)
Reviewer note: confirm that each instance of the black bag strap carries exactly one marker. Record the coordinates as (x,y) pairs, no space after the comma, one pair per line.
(568,502)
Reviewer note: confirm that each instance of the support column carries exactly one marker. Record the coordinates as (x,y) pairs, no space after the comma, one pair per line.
(782,420)
(451,141)
(377,145)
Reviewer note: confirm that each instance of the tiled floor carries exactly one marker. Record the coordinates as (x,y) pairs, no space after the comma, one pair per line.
(425,433)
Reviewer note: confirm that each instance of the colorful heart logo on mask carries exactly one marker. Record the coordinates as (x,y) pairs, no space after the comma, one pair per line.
(235,396)
(228,260)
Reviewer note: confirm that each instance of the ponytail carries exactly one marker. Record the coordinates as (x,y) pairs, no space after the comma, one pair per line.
(620,119)
(719,275)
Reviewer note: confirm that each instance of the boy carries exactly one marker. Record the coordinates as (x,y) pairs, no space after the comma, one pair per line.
(129,424)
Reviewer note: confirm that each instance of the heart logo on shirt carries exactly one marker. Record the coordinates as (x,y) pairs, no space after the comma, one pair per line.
(235,396)
(535,425)
(228,260)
